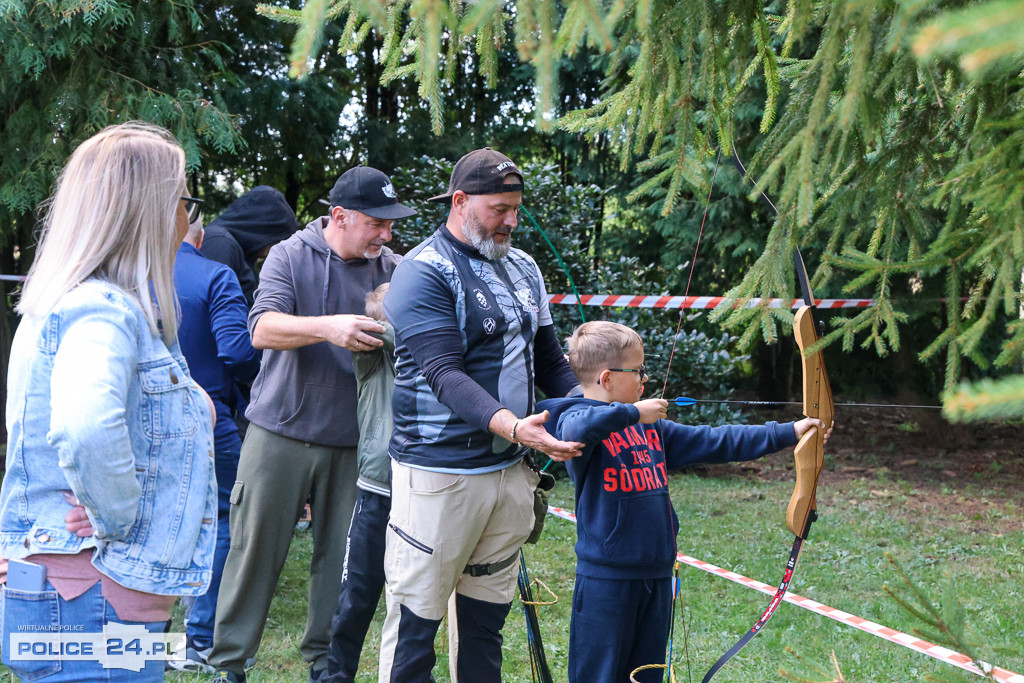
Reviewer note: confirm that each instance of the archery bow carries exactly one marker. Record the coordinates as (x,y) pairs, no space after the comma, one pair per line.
(539,670)
(809,455)
(809,452)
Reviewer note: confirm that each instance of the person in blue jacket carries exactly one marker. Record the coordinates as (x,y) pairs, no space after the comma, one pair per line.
(214,338)
(626,526)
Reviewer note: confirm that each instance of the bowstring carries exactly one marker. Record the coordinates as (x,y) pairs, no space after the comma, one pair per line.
(693,264)
(675,338)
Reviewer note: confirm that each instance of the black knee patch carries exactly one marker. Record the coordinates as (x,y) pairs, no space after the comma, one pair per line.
(480,638)
(414,653)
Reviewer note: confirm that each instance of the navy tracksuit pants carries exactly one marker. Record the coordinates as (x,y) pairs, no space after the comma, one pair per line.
(361,585)
(618,625)
(200,617)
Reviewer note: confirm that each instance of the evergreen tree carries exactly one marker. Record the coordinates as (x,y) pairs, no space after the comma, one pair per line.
(891,131)
(69,68)
(294,133)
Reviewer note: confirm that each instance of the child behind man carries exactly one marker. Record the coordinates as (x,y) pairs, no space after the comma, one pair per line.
(362,579)
(626,526)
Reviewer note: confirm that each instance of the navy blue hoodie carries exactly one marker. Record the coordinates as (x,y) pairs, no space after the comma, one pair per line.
(625,525)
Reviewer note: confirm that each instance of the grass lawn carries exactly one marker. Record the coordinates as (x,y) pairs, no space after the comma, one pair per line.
(950,514)
(961,542)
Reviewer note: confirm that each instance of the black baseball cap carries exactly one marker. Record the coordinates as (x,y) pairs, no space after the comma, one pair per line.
(369,191)
(482,171)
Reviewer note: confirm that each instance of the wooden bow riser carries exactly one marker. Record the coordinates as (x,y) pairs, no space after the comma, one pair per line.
(809,452)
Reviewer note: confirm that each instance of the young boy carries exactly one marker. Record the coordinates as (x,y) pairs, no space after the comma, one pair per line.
(362,579)
(626,527)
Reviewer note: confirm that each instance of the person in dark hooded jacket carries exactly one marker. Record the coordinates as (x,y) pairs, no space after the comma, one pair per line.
(245,231)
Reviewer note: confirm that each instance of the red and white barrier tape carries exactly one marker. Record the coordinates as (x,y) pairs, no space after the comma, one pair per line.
(634,301)
(937,651)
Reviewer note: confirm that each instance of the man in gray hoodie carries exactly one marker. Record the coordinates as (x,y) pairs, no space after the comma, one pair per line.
(303,434)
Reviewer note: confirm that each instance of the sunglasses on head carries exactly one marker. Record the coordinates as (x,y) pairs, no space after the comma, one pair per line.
(194,207)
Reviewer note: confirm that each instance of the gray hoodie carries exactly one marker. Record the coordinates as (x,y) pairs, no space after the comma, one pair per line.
(309,393)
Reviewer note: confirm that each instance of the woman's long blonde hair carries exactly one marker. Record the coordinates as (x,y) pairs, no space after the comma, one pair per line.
(113,216)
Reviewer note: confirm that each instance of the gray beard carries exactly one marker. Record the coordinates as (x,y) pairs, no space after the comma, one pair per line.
(486,245)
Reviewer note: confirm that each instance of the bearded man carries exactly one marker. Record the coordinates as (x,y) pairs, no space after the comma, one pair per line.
(473,333)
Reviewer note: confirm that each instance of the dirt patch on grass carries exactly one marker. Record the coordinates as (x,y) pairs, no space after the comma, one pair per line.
(952,472)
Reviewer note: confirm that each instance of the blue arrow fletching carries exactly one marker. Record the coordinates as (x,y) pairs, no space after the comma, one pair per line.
(685,401)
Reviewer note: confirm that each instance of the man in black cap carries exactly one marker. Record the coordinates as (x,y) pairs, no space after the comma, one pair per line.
(472,335)
(303,433)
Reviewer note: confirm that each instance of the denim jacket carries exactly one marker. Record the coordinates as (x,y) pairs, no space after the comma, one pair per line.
(99,407)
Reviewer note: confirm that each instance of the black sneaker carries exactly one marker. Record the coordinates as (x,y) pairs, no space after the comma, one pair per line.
(305,519)
(190,658)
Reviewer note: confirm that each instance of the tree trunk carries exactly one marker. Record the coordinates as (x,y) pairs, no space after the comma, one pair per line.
(370,78)
(292,190)
(22,240)
(775,369)
(5,355)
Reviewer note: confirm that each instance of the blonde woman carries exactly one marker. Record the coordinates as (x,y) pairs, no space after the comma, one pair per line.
(109,503)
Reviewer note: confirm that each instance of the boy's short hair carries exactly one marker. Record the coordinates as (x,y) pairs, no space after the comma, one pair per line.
(375,302)
(597,345)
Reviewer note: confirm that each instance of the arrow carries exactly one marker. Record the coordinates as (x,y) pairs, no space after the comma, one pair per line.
(686,402)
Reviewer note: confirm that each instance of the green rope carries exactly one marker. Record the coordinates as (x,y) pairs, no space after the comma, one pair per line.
(572,283)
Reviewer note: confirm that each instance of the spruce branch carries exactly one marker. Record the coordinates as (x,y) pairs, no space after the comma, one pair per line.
(982,34)
(894,163)
(835,663)
(307,40)
(986,400)
(946,625)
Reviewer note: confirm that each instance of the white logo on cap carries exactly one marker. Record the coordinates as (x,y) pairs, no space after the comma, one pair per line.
(389,191)
(505,164)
